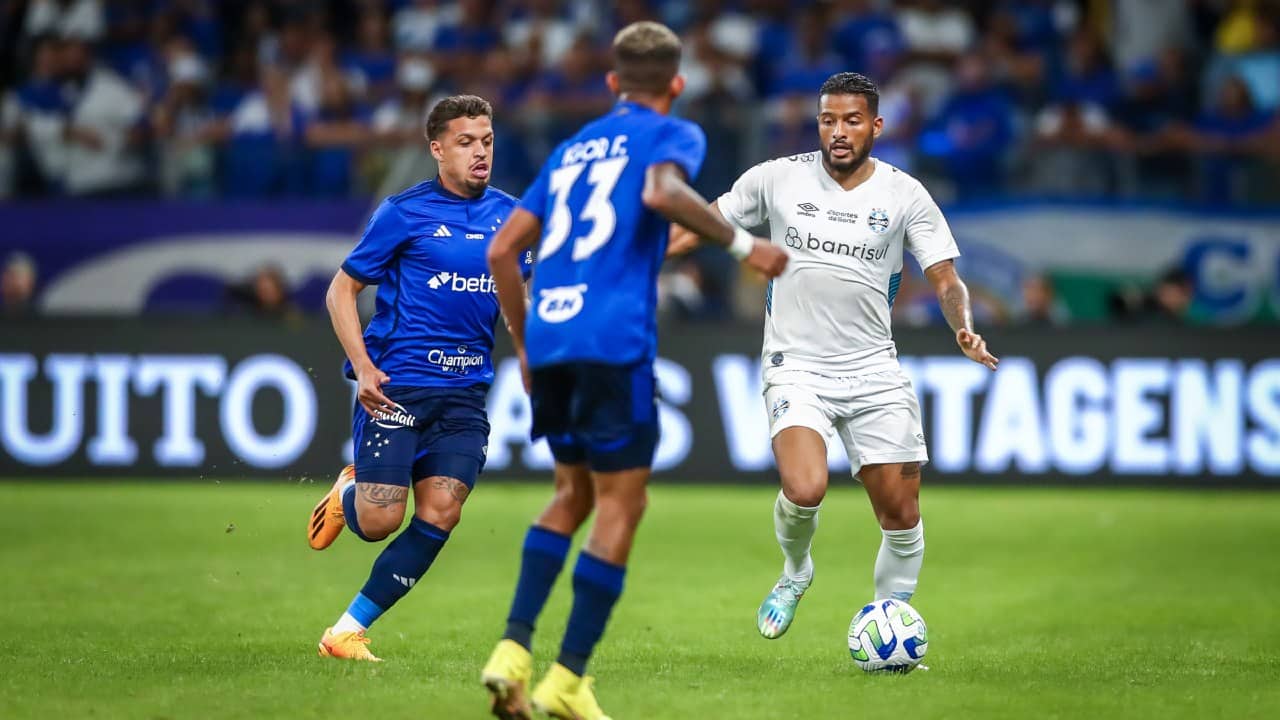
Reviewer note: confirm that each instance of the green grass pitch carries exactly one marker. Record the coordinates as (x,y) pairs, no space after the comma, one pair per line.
(203,601)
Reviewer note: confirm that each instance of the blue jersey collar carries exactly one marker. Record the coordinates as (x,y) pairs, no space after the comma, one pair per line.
(446,192)
(632,106)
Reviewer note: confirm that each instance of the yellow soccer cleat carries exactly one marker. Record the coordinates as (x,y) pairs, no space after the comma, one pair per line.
(507,676)
(565,696)
(346,646)
(327,519)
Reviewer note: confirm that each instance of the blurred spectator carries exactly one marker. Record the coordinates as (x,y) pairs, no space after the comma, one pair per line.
(867,37)
(1086,74)
(461,46)
(1148,117)
(416,25)
(1257,63)
(18,285)
(1227,131)
(1142,29)
(1040,305)
(566,96)
(83,19)
(972,131)
(539,35)
(371,65)
(265,295)
(263,129)
(1169,301)
(936,33)
(335,133)
(185,129)
(36,119)
(104,132)
(1071,142)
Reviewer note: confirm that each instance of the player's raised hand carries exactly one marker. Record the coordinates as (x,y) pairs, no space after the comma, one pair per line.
(975,348)
(682,240)
(767,258)
(369,384)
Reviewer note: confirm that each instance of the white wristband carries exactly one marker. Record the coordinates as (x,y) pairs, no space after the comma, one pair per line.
(742,243)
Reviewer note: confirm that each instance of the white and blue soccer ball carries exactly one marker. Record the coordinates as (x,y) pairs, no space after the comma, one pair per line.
(888,636)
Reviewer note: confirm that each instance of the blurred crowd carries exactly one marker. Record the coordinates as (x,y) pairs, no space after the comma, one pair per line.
(1165,99)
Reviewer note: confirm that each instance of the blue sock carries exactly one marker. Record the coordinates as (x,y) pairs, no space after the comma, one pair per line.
(597,585)
(349,512)
(399,566)
(540,564)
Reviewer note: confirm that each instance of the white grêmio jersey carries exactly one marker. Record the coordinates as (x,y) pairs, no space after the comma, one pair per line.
(828,313)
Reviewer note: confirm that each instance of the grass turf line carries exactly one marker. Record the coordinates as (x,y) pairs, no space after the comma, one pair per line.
(177,601)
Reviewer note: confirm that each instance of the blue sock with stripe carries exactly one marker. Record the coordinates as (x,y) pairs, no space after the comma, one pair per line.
(540,564)
(597,585)
(349,514)
(398,568)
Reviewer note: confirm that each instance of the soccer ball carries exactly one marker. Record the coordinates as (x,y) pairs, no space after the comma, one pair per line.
(888,636)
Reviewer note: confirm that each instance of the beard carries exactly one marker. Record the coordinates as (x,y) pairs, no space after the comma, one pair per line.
(846,165)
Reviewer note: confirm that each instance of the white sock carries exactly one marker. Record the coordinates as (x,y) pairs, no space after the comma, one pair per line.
(898,564)
(794,527)
(346,623)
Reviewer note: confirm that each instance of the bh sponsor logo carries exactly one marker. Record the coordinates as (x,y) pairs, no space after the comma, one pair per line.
(561,304)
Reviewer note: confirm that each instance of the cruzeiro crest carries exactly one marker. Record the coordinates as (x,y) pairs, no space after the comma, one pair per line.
(878,220)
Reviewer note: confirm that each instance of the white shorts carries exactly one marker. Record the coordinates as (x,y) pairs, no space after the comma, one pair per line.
(876,415)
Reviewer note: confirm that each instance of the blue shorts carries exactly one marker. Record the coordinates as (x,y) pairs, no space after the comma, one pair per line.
(602,415)
(434,431)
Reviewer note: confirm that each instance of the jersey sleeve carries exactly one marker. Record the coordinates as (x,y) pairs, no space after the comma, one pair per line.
(526,264)
(534,199)
(684,144)
(928,237)
(383,237)
(746,204)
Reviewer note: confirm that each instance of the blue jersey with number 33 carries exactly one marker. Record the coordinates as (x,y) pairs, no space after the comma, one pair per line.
(595,288)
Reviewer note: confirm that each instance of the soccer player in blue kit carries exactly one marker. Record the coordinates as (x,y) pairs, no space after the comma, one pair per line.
(597,211)
(423,366)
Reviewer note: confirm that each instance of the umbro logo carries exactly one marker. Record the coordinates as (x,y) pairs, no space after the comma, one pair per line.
(442,231)
(439,278)
(407,582)
(808,209)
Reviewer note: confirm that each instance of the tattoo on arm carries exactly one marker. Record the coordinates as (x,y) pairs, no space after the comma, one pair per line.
(954,299)
(382,495)
(453,486)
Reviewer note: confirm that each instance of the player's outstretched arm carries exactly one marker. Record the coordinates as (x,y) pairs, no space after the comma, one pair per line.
(517,235)
(341,302)
(667,193)
(953,296)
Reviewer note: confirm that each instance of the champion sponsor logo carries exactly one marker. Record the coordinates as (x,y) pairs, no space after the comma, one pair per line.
(878,220)
(443,231)
(459,363)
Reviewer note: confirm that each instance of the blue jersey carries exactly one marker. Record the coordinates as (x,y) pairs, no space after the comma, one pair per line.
(437,305)
(595,287)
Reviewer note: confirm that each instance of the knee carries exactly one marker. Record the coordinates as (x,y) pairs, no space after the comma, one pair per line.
(804,489)
(376,525)
(622,509)
(575,499)
(902,515)
(444,515)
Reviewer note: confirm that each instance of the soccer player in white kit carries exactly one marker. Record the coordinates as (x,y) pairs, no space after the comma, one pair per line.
(830,365)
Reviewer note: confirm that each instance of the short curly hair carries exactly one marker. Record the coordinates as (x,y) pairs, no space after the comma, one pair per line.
(454,107)
(852,83)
